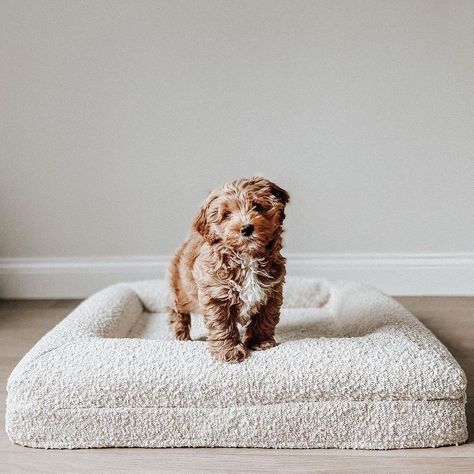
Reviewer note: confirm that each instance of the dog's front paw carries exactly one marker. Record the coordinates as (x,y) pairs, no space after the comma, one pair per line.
(235,353)
(183,335)
(260,345)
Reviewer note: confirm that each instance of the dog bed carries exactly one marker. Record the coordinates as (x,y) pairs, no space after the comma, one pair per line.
(353,369)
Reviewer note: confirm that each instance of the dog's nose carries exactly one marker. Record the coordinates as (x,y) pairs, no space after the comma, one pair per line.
(246,230)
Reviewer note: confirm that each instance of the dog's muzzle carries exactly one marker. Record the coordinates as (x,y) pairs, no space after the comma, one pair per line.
(246,230)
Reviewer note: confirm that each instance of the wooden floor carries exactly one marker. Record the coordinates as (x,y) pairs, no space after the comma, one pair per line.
(22,323)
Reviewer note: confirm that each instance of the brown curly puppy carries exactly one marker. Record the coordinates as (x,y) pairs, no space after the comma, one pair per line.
(230,269)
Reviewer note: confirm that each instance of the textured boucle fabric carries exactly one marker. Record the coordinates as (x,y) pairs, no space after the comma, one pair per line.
(353,369)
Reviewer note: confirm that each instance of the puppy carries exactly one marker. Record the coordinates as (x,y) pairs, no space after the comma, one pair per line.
(230,269)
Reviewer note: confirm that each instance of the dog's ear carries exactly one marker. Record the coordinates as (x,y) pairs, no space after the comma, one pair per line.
(279,193)
(201,222)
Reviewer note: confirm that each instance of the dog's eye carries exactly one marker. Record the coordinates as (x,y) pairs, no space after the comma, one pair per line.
(226,214)
(258,208)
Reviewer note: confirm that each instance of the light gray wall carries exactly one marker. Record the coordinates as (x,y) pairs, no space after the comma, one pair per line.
(118,117)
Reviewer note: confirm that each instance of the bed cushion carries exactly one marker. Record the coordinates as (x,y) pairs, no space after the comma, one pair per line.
(353,369)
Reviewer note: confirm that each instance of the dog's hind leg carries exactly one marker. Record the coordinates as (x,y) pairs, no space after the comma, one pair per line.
(179,317)
(180,324)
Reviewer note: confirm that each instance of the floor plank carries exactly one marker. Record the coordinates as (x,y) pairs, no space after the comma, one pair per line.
(22,323)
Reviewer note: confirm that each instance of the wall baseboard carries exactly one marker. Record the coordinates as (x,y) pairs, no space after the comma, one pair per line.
(397,274)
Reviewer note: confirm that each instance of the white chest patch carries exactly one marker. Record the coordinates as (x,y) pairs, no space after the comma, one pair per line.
(252,293)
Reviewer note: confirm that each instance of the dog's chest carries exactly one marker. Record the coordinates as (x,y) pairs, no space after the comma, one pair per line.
(252,292)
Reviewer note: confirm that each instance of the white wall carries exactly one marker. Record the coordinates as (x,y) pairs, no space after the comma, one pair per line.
(117,117)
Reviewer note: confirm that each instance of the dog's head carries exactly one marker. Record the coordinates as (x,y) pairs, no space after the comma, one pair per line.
(245,215)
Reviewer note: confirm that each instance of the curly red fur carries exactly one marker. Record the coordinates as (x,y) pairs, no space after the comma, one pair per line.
(228,277)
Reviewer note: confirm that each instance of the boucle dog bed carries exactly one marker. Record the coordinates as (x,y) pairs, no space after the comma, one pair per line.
(353,369)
